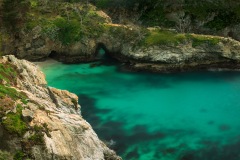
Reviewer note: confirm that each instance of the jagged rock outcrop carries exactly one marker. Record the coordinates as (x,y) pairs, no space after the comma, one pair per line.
(191,54)
(56,113)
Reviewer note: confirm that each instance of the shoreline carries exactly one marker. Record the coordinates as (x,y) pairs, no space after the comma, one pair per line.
(154,68)
(46,63)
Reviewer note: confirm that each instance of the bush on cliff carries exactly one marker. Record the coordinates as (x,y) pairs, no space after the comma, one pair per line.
(69,31)
(5,155)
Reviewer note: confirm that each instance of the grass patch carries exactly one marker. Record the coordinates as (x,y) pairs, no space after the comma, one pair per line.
(10,92)
(198,40)
(166,37)
(163,37)
(14,123)
(7,72)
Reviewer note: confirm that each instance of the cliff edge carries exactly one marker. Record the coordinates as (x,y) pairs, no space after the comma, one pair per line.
(40,122)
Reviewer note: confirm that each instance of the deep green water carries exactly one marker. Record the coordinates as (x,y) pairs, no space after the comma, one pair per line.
(185,116)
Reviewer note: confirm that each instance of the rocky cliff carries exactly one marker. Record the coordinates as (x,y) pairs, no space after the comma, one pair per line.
(74,32)
(167,51)
(40,122)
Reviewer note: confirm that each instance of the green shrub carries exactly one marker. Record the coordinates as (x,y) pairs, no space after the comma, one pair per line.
(69,30)
(33,3)
(19,156)
(223,19)
(36,138)
(5,155)
(103,3)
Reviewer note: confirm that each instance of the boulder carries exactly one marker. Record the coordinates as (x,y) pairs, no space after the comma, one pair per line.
(27,115)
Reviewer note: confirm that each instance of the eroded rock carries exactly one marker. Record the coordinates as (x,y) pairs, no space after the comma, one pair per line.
(27,115)
(66,135)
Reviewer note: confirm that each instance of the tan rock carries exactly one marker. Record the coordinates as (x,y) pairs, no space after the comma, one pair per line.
(68,135)
(27,115)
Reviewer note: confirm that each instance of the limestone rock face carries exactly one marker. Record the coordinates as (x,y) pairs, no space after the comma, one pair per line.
(174,54)
(68,135)
(171,57)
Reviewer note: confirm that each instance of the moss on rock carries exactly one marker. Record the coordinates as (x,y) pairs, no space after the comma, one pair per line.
(163,37)
(8,73)
(14,123)
(203,39)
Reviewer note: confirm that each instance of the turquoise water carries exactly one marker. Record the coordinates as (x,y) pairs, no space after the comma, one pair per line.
(143,116)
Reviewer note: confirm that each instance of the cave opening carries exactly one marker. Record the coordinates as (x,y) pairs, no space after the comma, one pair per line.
(53,55)
(103,54)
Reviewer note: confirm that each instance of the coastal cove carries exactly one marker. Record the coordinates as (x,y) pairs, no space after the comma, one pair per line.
(146,116)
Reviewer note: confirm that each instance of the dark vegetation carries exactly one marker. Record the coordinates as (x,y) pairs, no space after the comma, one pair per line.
(213,14)
(79,21)
(14,14)
(72,21)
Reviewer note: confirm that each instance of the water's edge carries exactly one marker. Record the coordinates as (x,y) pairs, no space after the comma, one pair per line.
(156,116)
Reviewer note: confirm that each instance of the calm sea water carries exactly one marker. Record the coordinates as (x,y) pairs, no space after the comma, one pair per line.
(143,116)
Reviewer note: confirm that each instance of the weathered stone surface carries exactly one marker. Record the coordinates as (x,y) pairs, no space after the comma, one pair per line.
(174,54)
(68,135)
(27,115)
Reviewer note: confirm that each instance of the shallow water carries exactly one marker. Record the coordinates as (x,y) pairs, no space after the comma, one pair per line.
(143,116)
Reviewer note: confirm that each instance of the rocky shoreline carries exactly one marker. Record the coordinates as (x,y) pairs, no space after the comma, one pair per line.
(164,68)
(153,49)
